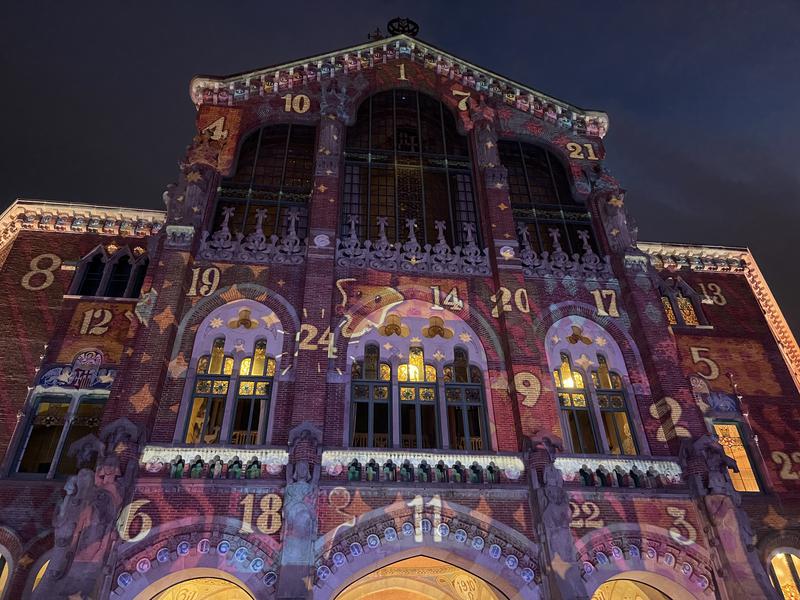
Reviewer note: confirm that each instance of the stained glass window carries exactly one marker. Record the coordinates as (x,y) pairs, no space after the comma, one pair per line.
(274,172)
(572,398)
(611,399)
(785,574)
(404,159)
(687,310)
(253,395)
(668,310)
(370,397)
(466,412)
(730,438)
(210,393)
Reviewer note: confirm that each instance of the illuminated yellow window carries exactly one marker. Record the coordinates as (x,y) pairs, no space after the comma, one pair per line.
(668,311)
(731,440)
(785,569)
(687,311)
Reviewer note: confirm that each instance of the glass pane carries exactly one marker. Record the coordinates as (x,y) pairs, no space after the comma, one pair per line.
(386,372)
(473,394)
(408,425)
(220,386)
(416,364)
(246,388)
(786,581)
(668,311)
(565,399)
(475,374)
(202,365)
(380,425)
(217,354)
(259,359)
(402,373)
(262,388)
(270,367)
(430,373)
(360,392)
(87,420)
(196,421)
(244,366)
(687,311)
(731,441)
(360,425)
(455,427)
(588,443)
(447,374)
(452,394)
(228,368)
(245,423)
(407,393)
(578,400)
(44,435)
(371,363)
(203,386)
(474,424)
(211,434)
(428,417)
(427,394)
(380,392)
(604,379)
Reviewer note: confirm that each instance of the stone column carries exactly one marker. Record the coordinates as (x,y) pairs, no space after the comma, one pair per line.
(730,534)
(300,523)
(561,572)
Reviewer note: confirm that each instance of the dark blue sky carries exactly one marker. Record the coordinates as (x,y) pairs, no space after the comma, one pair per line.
(702,96)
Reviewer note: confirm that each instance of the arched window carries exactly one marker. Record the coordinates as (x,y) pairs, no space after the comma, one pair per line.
(784,570)
(231,380)
(613,408)
(572,398)
(418,402)
(66,404)
(682,305)
(119,274)
(463,390)
(404,159)
(370,396)
(541,198)
(210,391)
(591,383)
(274,172)
(92,276)
(253,396)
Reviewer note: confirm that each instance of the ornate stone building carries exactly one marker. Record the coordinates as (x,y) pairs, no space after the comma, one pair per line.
(393,337)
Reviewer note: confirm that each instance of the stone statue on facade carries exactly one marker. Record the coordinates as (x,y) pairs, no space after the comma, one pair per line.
(299,511)
(83,523)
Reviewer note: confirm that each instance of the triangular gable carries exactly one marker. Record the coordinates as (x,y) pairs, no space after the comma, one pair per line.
(233,89)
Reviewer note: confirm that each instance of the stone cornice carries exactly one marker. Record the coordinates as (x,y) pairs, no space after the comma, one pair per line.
(738,260)
(239,87)
(77,218)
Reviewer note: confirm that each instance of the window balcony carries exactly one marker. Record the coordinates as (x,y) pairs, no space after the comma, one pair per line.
(647,472)
(214,462)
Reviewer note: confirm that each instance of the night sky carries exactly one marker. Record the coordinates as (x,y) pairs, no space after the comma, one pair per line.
(702,97)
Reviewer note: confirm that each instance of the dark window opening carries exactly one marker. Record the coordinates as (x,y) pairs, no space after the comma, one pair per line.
(274,173)
(404,159)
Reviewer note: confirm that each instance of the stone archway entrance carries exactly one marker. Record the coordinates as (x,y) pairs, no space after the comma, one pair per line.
(420,578)
(627,589)
(198,583)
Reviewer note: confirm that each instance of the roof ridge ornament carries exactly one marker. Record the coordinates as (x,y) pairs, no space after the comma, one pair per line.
(402,26)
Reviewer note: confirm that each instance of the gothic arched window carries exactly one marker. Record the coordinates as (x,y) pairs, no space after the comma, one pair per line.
(463,390)
(274,172)
(541,198)
(214,372)
(419,422)
(117,275)
(253,396)
(371,395)
(573,399)
(682,305)
(610,394)
(593,389)
(404,159)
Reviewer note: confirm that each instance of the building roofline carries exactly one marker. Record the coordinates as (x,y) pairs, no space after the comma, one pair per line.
(199,81)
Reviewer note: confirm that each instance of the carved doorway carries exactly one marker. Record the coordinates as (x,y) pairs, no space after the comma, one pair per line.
(626,589)
(420,578)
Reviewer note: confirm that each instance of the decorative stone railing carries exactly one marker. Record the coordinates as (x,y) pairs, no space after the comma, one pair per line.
(382,255)
(614,471)
(256,247)
(696,258)
(420,466)
(559,263)
(215,462)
